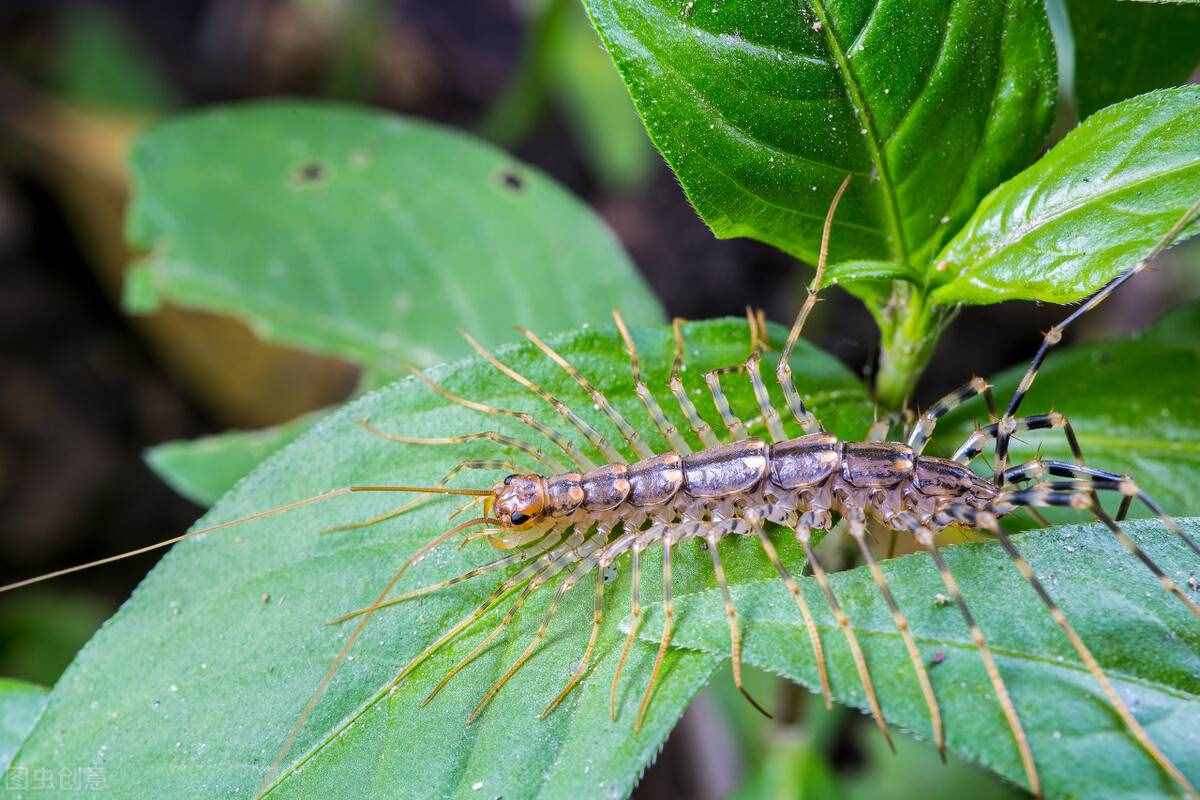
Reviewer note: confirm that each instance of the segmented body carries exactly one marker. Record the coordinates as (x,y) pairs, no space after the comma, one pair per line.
(798,482)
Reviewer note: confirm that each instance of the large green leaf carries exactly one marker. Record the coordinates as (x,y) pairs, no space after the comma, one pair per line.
(1093,206)
(1123,49)
(1133,404)
(21,704)
(364,235)
(358,235)
(204,469)
(762,109)
(1145,640)
(194,684)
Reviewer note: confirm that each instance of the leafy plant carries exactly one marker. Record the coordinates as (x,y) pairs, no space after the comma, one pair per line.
(285,215)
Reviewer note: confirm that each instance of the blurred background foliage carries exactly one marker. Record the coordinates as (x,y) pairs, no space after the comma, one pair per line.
(85,388)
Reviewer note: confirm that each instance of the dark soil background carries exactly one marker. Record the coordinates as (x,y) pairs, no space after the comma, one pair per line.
(82,393)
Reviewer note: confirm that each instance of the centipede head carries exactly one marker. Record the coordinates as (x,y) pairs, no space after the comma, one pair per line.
(519,502)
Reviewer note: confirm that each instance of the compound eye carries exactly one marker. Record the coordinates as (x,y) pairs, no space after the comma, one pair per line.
(518,518)
(509,479)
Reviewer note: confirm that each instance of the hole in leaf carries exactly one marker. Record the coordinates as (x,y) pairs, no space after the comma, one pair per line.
(312,172)
(512,181)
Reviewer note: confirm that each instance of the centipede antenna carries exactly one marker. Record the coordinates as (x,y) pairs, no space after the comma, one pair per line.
(270,512)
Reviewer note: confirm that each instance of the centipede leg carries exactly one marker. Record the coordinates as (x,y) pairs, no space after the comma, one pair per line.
(990,523)
(804,536)
(735,632)
(699,427)
(668,430)
(635,624)
(810,624)
(581,670)
(668,607)
(927,540)
(587,564)
(857,525)
(550,539)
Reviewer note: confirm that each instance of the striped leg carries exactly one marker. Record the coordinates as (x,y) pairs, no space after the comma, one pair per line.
(735,632)
(880,428)
(548,542)
(783,372)
(632,436)
(501,439)
(810,625)
(1081,493)
(926,539)
(611,454)
(585,565)
(698,425)
(665,642)
(581,670)
(473,463)
(635,612)
(922,431)
(665,427)
(858,530)
(989,522)
(804,535)
(737,428)
(1054,335)
(528,575)
(977,441)
(1110,481)
(562,442)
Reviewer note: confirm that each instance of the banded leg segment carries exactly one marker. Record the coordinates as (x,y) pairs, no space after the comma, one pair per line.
(585,565)
(735,631)
(926,539)
(1053,336)
(923,429)
(597,440)
(804,536)
(664,425)
(810,624)
(988,522)
(668,606)
(783,372)
(630,434)
(858,531)
(699,427)
(735,426)
(561,442)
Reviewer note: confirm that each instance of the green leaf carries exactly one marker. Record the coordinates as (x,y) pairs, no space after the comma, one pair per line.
(1132,403)
(204,469)
(1092,207)
(21,704)
(224,674)
(364,235)
(761,111)
(1124,49)
(1144,639)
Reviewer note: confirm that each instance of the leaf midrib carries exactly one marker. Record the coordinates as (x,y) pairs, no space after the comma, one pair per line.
(875,147)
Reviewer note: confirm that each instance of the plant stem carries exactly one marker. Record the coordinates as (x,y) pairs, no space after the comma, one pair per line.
(909,332)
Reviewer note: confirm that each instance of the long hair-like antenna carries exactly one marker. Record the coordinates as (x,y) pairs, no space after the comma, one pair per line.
(270,512)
